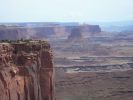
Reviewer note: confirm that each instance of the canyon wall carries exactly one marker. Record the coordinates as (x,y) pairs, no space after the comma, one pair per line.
(26,71)
(25,32)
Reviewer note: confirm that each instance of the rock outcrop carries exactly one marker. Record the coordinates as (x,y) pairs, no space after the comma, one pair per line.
(75,35)
(26,71)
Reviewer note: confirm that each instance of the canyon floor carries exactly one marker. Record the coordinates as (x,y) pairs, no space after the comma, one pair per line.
(96,68)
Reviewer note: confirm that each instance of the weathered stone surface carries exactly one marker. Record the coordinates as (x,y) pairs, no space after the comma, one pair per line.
(26,71)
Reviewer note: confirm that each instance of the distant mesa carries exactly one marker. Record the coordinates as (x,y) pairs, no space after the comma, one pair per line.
(91,28)
(43,31)
(79,32)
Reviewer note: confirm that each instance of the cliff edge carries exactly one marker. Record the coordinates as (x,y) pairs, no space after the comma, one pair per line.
(26,71)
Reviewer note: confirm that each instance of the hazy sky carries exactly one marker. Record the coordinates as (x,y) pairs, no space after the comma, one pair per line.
(65,10)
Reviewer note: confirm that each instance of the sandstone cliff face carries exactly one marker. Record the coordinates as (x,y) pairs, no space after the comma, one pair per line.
(26,71)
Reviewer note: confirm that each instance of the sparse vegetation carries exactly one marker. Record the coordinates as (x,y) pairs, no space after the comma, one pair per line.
(17,41)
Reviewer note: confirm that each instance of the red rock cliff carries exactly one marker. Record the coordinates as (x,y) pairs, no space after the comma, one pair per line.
(26,71)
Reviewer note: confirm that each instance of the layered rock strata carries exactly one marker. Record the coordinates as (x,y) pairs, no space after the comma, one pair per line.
(18,32)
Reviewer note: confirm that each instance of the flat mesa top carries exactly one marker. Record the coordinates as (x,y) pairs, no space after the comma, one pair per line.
(22,41)
(24,45)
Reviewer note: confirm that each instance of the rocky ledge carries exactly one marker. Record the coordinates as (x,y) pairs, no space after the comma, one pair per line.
(26,71)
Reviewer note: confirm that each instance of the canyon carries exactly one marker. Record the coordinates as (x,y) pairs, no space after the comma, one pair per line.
(89,63)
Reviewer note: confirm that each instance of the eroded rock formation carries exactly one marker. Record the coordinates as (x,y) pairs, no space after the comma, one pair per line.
(76,34)
(26,71)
